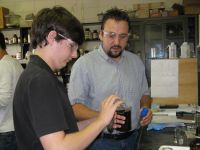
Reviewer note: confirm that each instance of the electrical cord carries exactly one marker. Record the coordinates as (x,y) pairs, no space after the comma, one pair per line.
(143,113)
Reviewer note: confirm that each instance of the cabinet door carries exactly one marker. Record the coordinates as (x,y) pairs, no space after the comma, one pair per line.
(158,33)
(136,40)
(175,31)
(154,39)
(154,46)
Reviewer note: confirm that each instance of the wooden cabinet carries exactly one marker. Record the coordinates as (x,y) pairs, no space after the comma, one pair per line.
(187,84)
(158,33)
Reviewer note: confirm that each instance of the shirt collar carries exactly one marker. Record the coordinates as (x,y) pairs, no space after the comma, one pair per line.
(35,59)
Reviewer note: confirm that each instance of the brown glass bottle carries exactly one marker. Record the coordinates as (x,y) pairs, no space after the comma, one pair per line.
(195,143)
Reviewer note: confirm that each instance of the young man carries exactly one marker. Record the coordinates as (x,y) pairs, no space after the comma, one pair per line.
(110,69)
(43,116)
(10,70)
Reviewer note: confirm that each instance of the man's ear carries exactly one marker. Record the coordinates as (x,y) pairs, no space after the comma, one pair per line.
(51,37)
(101,35)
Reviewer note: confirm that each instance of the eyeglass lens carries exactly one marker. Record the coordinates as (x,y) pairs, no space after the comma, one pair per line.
(72,44)
(113,35)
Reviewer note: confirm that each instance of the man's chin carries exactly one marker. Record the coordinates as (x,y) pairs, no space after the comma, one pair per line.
(114,55)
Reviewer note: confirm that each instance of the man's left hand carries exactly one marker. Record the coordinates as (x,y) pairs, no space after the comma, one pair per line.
(147,119)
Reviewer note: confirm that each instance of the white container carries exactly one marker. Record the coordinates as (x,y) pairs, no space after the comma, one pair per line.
(172,50)
(185,50)
(153,52)
(18,55)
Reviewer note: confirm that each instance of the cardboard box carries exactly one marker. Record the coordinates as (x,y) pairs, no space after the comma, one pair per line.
(191,2)
(173,13)
(192,9)
(145,10)
(191,6)
(142,10)
(3,11)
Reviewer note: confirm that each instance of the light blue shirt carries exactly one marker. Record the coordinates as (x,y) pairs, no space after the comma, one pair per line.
(96,76)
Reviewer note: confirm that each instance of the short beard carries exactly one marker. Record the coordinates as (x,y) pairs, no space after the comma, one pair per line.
(110,54)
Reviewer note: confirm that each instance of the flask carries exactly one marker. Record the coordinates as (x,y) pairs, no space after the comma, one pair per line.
(195,143)
(185,50)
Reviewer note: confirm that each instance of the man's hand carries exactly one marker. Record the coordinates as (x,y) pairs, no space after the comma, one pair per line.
(146,119)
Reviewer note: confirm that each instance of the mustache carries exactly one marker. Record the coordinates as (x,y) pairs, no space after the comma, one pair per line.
(116,46)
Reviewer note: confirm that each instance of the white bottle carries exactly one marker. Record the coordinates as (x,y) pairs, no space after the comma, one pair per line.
(29,38)
(185,50)
(172,50)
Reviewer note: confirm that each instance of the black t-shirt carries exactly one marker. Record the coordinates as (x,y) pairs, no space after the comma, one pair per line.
(41,105)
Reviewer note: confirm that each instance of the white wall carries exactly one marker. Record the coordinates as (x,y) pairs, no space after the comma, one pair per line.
(85,10)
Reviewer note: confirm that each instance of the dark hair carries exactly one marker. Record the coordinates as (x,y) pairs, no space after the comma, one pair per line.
(116,14)
(2,41)
(59,20)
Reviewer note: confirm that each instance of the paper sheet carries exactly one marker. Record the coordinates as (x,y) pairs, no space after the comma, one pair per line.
(168,147)
(164,78)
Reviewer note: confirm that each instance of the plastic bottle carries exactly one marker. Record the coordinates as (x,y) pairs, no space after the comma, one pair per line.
(172,50)
(15,39)
(144,112)
(185,50)
(29,38)
(19,39)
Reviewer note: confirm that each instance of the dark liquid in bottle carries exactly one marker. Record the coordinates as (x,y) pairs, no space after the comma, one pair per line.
(127,126)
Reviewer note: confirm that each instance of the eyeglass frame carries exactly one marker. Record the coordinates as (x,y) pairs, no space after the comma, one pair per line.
(73,45)
(113,35)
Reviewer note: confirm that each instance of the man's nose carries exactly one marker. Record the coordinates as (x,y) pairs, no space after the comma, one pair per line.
(117,40)
(74,54)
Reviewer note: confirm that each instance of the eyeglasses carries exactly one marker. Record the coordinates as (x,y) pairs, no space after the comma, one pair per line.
(71,44)
(113,35)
